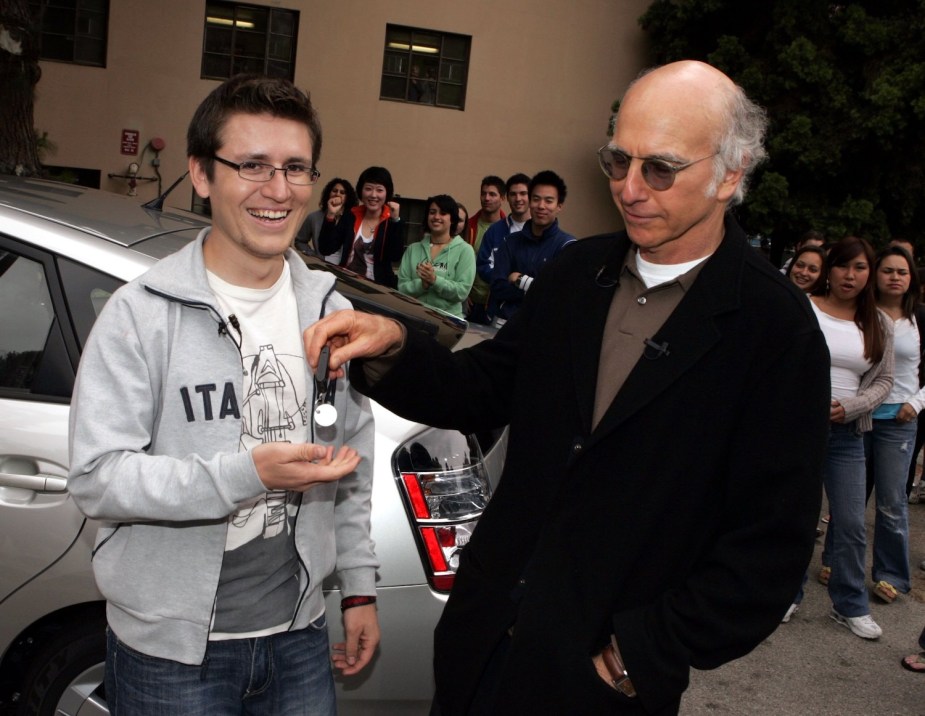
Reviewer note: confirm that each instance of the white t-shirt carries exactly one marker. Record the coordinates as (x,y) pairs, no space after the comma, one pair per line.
(846,350)
(259,585)
(906,373)
(361,254)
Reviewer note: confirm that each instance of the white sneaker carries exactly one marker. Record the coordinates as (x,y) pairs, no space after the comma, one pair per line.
(792,609)
(863,626)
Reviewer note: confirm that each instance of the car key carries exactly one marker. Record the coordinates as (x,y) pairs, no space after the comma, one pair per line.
(325,413)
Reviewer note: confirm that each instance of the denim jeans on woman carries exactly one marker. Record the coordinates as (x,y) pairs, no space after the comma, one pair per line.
(846,537)
(287,674)
(889,447)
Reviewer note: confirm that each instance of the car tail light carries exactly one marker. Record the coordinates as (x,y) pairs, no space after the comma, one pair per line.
(445,487)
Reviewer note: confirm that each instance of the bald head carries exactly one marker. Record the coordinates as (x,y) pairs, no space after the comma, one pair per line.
(691,95)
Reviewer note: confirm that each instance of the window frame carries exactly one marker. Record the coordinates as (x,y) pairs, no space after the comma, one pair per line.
(61,329)
(406,48)
(234,54)
(81,14)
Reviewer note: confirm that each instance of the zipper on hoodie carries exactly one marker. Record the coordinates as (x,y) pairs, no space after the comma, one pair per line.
(209,308)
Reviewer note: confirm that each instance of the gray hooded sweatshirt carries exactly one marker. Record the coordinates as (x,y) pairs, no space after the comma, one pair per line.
(163,486)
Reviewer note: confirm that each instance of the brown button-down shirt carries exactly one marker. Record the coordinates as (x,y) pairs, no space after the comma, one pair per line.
(636,314)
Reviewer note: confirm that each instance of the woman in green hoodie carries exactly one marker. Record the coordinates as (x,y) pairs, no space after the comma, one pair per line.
(439,269)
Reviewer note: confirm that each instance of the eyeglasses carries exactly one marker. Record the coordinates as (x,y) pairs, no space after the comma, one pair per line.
(257,171)
(657,173)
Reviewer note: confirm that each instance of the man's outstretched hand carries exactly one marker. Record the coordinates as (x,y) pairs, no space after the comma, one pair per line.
(351,334)
(299,466)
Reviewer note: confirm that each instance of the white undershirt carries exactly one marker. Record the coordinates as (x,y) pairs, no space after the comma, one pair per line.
(657,274)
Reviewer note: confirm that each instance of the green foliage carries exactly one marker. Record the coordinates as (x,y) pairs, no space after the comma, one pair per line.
(844,85)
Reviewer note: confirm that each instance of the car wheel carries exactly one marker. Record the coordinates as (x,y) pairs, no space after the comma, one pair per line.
(65,675)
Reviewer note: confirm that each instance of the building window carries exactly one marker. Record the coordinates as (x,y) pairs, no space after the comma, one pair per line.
(248,38)
(72,30)
(425,66)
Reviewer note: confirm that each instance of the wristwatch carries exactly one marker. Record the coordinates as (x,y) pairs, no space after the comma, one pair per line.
(618,675)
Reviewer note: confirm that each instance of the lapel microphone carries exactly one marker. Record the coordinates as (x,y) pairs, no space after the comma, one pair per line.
(653,350)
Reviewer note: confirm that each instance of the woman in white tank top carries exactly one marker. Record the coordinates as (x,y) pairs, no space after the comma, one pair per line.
(859,338)
(890,445)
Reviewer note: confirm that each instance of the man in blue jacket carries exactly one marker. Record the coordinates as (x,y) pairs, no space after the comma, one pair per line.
(521,257)
(517,190)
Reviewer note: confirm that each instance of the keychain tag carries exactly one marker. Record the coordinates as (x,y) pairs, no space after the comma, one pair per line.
(325,414)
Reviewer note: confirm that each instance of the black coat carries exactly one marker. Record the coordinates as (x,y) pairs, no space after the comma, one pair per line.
(683,523)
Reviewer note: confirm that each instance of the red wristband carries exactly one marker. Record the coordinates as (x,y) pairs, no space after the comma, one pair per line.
(357,601)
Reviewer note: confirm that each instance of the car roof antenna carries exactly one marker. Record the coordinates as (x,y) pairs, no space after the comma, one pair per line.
(158,203)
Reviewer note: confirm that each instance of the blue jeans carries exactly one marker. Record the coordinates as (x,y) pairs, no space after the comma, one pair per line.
(889,451)
(846,538)
(287,674)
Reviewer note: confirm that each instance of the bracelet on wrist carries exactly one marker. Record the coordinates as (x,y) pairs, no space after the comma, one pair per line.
(356,601)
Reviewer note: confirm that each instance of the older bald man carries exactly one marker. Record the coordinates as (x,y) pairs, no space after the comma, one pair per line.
(658,503)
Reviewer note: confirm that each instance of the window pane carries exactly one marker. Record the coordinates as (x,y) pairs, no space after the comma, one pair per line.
(58,21)
(91,24)
(246,64)
(455,47)
(423,42)
(216,66)
(218,39)
(398,36)
(90,51)
(94,5)
(395,63)
(251,18)
(26,315)
(393,87)
(282,23)
(279,69)
(450,95)
(251,44)
(219,14)
(243,32)
(454,72)
(57,47)
(280,47)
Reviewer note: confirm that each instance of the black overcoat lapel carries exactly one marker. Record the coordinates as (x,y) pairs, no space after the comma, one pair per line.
(689,333)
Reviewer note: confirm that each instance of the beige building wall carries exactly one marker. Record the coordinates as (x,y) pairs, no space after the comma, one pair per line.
(542,76)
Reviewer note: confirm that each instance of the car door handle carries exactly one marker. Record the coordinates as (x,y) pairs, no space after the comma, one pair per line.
(36,483)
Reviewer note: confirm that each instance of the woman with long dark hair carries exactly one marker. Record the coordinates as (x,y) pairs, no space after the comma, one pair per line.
(860,342)
(807,269)
(368,237)
(889,446)
(337,198)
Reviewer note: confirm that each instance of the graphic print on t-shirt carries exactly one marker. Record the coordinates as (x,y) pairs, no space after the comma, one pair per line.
(258,588)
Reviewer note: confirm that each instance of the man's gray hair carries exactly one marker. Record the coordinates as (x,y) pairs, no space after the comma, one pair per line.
(741,142)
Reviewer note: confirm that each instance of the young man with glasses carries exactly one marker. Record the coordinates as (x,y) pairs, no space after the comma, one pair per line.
(222,505)
(639,528)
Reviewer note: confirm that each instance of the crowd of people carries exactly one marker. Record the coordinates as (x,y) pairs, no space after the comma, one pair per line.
(478,268)
(870,309)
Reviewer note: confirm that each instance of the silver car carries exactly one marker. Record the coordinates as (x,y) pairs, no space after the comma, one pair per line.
(63,251)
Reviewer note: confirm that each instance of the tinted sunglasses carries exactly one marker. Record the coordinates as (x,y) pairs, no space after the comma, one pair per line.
(657,173)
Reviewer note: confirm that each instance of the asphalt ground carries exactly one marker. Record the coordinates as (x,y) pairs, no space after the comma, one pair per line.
(814,666)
